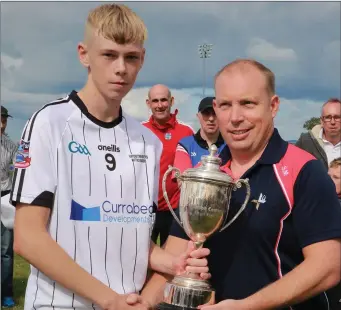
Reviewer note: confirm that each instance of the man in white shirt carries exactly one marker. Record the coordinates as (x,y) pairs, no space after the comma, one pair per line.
(324,141)
(86,183)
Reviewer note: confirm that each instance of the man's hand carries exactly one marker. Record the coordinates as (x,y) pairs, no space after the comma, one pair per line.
(192,261)
(128,302)
(228,304)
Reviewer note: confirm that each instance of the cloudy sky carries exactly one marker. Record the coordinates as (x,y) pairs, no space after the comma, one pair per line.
(300,42)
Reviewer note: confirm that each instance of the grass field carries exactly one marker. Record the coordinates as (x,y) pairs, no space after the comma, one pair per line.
(21,272)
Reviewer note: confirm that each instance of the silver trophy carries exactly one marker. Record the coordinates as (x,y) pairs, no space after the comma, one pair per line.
(203,209)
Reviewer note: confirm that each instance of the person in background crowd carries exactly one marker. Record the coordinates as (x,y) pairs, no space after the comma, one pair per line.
(334,172)
(170,131)
(8,151)
(324,141)
(190,149)
(284,250)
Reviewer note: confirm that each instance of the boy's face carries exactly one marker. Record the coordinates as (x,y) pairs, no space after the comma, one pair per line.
(335,174)
(112,67)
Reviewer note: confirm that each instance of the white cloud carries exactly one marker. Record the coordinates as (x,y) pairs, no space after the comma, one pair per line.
(11,63)
(264,50)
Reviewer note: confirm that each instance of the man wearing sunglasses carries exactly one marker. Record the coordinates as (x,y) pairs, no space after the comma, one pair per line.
(324,141)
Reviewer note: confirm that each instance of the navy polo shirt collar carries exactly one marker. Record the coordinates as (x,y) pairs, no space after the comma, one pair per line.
(273,153)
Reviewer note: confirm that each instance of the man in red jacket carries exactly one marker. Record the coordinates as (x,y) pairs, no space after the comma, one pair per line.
(170,131)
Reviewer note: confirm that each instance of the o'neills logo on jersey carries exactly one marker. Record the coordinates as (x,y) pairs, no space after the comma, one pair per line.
(112,213)
(109,148)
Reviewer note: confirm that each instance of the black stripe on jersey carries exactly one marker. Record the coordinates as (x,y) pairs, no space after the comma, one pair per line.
(135,258)
(125,121)
(74,258)
(31,124)
(71,173)
(105,186)
(88,160)
(54,288)
(144,152)
(121,260)
(99,134)
(35,296)
(90,257)
(89,176)
(57,204)
(121,186)
(84,132)
(105,254)
(115,134)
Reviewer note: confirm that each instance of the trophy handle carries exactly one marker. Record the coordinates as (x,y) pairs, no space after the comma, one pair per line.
(164,191)
(239,184)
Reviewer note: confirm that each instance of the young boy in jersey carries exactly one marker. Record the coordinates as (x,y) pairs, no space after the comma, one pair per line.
(86,183)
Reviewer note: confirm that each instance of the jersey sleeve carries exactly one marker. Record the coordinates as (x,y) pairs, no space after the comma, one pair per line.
(182,160)
(34,178)
(317,211)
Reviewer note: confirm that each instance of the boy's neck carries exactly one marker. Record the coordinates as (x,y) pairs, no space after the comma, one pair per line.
(102,108)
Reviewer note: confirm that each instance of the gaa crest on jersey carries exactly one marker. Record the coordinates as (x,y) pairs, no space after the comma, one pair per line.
(168,136)
(23,159)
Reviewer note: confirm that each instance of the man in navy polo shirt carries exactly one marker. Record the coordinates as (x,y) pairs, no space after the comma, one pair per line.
(190,149)
(284,251)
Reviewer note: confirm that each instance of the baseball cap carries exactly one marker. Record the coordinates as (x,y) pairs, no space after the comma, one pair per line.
(4,112)
(206,103)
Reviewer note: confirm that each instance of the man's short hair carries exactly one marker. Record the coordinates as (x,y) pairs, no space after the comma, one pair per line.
(242,63)
(330,100)
(335,163)
(116,22)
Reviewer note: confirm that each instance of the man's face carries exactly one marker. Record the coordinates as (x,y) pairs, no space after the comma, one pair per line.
(208,121)
(330,119)
(160,102)
(113,67)
(3,124)
(244,108)
(335,174)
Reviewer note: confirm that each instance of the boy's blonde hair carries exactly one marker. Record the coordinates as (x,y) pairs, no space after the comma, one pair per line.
(335,163)
(116,22)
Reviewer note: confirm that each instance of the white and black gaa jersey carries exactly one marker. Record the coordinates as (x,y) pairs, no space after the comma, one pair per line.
(101,182)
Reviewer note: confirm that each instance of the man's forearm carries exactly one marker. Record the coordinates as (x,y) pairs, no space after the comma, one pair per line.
(153,290)
(296,286)
(160,260)
(46,255)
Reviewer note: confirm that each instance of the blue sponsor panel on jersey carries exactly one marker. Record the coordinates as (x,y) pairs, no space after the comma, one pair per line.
(112,212)
(80,213)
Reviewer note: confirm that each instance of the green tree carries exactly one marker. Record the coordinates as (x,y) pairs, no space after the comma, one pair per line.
(310,123)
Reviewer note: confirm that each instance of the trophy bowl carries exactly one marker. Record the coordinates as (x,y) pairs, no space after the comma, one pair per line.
(203,210)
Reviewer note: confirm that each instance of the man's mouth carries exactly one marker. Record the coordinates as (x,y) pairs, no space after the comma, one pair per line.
(239,132)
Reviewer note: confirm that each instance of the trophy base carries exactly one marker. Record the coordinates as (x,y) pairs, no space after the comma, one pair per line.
(164,306)
(186,293)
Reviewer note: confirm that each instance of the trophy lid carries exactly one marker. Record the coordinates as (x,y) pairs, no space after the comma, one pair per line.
(209,170)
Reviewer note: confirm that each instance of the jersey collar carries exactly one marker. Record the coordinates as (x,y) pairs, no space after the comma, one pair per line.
(169,124)
(201,142)
(272,154)
(80,104)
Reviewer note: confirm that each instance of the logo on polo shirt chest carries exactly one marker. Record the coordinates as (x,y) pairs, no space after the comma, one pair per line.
(168,136)
(261,200)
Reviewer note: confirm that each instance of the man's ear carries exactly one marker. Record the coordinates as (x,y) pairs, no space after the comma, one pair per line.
(83,54)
